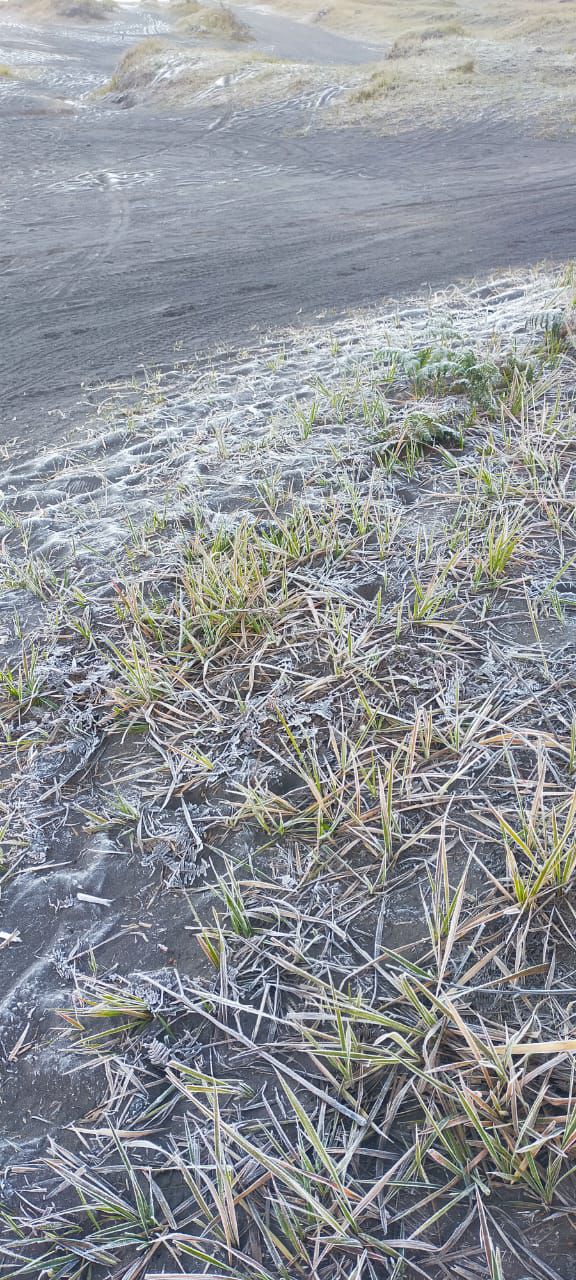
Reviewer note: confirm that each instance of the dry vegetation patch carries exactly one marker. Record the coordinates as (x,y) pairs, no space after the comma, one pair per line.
(162,72)
(68,10)
(341,629)
(388,20)
(216,22)
(456,61)
(457,78)
(443,76)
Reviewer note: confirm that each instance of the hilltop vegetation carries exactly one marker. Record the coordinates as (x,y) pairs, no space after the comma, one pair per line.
(431,75)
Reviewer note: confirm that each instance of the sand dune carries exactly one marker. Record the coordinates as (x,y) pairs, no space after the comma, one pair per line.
(166,73)
(433,82)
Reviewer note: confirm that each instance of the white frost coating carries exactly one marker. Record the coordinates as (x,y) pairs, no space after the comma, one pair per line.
(129,462)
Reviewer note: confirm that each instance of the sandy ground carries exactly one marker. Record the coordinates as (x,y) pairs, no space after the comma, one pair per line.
(135,236)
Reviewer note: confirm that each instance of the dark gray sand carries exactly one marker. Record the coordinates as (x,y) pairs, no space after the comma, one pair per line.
(129,235)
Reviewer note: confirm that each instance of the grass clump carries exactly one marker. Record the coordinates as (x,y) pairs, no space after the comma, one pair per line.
(211,22)
(444,31)
(139,65)
(377,86)
(443,371)
(104,1015)
(541,855)
(86,10)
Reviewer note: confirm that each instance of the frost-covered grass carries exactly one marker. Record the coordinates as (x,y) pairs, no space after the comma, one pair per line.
(163,73)
(389,20)
(217,22)
(328,589)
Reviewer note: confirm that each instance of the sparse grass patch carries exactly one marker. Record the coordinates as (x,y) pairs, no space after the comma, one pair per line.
(168,72)
(69,10)
(218,21)
(378,84)
(443,31)
(138,65)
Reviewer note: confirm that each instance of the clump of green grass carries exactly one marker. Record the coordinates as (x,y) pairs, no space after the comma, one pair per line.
(499,546)
(542,856)
(26,685)
(104,1014)
(458,371)
(230,893)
